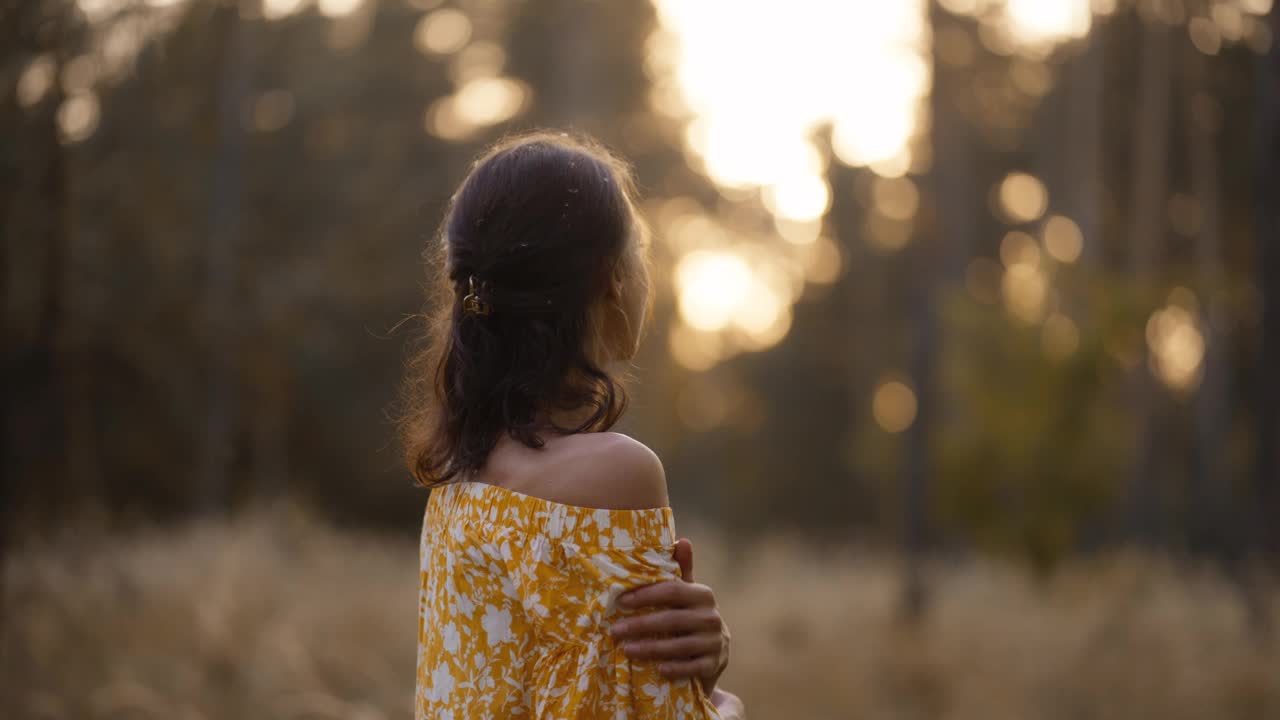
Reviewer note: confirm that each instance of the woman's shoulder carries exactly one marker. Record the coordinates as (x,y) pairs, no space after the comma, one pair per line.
(601,470)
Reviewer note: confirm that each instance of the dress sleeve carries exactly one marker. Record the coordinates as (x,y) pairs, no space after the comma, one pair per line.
(571,590)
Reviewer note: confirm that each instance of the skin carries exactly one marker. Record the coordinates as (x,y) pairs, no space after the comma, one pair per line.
(682,630)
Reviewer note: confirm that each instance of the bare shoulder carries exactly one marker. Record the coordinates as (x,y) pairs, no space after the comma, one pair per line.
(608,470)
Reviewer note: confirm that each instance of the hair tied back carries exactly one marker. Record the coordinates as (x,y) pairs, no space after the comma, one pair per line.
(474,302)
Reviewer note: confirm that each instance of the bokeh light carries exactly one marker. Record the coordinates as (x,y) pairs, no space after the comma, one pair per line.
(895,198)
(1018,248)
(1177,345)
(272,110)
(1063,240)
(1022,197)
(78,117)
(894,406)
(338,8)
(1039,21)
(280,9)
(442,32)
(35,81)
(1059,337)
(712,286)
(1205,35)
(751,121)
(823,262)
(1025,290)
(489,101)
(477,60)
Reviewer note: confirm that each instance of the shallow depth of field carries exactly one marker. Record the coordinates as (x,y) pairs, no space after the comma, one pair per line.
(274,615)
(963,364)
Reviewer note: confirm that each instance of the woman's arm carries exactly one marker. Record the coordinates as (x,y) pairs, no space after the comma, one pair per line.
(683,631)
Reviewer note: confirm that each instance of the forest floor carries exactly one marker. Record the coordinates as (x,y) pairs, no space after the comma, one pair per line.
(275,615)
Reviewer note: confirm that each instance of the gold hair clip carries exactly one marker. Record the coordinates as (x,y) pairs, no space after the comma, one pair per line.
(473,303)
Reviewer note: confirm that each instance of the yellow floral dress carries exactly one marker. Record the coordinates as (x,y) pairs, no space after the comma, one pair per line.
(517,597)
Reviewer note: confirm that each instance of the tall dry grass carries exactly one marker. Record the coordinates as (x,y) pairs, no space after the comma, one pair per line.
(273,615)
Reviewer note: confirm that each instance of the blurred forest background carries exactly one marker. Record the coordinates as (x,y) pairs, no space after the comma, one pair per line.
(988,289)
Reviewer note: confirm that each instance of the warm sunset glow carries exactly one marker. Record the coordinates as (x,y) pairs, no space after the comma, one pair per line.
(713,286)
(1048,21)
(753,113)
(752,124)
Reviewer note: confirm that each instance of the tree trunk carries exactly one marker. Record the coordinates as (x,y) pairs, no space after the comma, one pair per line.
(1266,476)
(1205,511)
(220,266)
(1084,161)
(1150,177)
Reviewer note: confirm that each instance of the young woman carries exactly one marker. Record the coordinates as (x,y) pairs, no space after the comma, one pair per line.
(553,585)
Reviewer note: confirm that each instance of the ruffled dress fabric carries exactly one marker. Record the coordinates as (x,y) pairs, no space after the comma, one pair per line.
(517,595)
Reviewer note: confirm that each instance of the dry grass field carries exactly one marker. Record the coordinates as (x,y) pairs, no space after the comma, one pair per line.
(273,615)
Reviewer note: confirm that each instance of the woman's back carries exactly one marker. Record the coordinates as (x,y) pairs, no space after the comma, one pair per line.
(518,590)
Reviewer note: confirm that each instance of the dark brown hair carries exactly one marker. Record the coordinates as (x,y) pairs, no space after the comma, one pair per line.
(539,227)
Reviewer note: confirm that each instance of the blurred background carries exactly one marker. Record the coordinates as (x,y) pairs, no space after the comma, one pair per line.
(965,366)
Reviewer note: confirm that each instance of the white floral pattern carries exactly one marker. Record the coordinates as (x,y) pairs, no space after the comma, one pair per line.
(517,594)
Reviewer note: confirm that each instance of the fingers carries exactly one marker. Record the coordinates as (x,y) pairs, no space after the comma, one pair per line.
(678,649)
(695,667)
(672,593)
(684,556)
(668,622)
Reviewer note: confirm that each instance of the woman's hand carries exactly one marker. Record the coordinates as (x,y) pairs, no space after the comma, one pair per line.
(682,631)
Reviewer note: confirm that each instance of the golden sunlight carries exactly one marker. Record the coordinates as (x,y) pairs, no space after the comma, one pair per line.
(1038,21)
(713,286)
(754,97)
(738,95)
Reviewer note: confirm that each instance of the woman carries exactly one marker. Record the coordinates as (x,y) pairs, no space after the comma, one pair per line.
(552,582)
